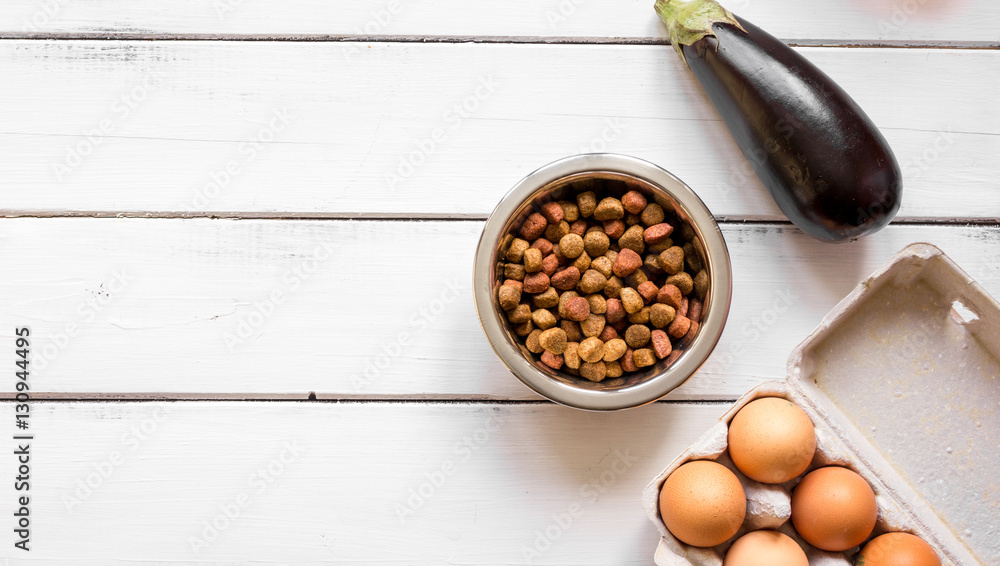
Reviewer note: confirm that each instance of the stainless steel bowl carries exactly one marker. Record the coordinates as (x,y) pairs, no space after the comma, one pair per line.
(553,182)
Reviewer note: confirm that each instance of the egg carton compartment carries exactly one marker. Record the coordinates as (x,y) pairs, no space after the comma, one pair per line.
(894,361)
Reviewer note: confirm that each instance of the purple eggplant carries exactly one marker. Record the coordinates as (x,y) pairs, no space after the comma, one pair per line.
(821,158)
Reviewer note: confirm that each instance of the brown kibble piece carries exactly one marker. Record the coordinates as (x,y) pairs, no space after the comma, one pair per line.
(593,326)
(553,232)
(694,309)
(615,312)
(536,283)
(640,317)
(571,246)
(683,282)
(679,327)
(532,343)
(614,369)
(543,319)
(550,264)
(614,229)
(572,330)
(514,282)
(542,244)
(672,260)
(532,260)
(661,344)
(609,333)
(614,287)
(643,358)
(509,296)
(631,300)
(652,214)
(566,279)
(572,355)
(661,247)
(637,278)
(546,300)
(614,349)
(596,243)
(657,233)
(603,265)
(534,226)
(637,335)
(670,295)
(524,329)
(651,264)
(553,212)
(571,213)
(609,208)
(577,309)
(582,263)
(591,349)
(661,315)
(554,361)
(701,284)
(553,340)
(632,240)
(598,304)
(586,202)
(692,258)
(520,314)
(516,250)
(514,271)
(626,263)
(593,281)
(595,371)
(633,202)
(628,364)
(648,290)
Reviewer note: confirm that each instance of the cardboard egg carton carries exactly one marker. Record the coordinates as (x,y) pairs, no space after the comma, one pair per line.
(902,382)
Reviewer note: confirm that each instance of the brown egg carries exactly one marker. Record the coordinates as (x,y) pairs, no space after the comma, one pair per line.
(897,549)
(834,509)
(765,548)
(702,503)
(771,440)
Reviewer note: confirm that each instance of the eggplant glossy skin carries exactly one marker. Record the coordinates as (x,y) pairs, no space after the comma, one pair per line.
(822,159)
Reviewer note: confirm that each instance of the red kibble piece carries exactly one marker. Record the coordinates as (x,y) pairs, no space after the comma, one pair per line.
(536,282)
(615,311)
(628,364)
(648,290)
(661,343)
(621,325)
(577,309)
(553,212)
(515,283)
(657,233)
(671,296)
(533,226)
(542,244)
(679,327)
(614,228)
(683,310)
(554,361)
(550,264)
(694,310)
(634,202)
(608,334)
(566,279)
(626,263)
(579,228)
(689,337)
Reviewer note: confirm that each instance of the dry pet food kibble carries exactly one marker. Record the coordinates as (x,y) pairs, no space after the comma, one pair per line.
(602,283)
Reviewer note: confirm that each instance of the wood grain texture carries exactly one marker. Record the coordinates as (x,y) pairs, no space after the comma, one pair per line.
(435,129)
(328,483)
(880,21)
(369,309)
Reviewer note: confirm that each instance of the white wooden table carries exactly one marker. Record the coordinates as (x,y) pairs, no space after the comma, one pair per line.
(221,215)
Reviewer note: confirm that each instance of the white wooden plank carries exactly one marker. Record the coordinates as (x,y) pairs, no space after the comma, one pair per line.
(177,126)
(879,20)
(340,480)
(261,307)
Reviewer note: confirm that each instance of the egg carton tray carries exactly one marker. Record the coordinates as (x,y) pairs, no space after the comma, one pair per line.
(902,382)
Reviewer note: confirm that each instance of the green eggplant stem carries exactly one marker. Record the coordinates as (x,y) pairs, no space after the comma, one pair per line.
(691,20)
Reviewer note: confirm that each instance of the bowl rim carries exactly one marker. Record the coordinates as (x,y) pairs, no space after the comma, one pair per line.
(711,326)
